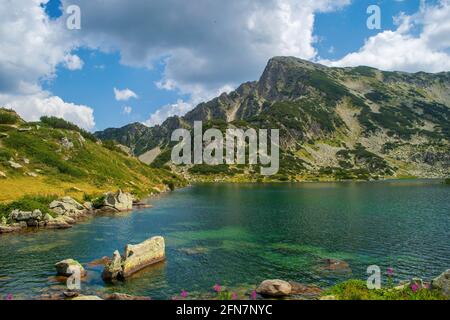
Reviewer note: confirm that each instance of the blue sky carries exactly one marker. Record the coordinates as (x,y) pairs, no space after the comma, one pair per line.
(159,51)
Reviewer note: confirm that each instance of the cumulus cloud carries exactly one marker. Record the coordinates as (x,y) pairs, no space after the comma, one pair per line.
(73,62)
(32,106)
(124,95)
(205,45)
(404,49)
(176,109)
(32,46)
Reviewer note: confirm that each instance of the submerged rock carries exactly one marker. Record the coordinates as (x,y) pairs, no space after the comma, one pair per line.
(66,268)
(305,290)
(100,262)
(57,223)
(442,283)
(9,228)
(335,265)
(274,288)
(121,296)
(136,258)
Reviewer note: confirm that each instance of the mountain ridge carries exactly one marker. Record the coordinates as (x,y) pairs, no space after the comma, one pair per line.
(329,115)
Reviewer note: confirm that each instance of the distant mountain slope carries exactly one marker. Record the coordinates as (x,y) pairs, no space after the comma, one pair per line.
(342,123)
(54,157)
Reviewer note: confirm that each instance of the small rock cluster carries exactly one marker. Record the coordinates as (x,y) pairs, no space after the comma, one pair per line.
(65,213)
(136,258)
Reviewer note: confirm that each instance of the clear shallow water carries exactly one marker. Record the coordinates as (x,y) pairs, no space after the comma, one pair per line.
(239,235)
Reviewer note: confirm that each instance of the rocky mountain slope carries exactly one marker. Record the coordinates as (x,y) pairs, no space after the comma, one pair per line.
(55,157)
(335,123)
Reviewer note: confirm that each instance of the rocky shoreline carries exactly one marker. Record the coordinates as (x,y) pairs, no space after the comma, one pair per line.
(66,212)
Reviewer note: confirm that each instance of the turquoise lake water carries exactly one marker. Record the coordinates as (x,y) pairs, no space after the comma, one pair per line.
(239,235)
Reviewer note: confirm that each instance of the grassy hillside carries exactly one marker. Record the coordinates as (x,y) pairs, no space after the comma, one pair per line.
(54,157)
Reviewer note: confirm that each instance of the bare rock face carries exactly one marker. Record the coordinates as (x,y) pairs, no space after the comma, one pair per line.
(66,143)
(274,288)
(442,283)
(66,268)
(136,258)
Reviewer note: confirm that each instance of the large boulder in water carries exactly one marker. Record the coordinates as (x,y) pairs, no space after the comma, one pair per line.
(442,283)
(67,267)
(274,288)
(142,255)
(136,258)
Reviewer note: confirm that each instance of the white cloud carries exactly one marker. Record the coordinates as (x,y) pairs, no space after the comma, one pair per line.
(206,45)
(124,95)
(32,106)
(32,46)
(402,50)
(177,109)
(73,62)
(127,110)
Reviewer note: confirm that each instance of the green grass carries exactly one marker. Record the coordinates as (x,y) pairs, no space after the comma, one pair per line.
(94,168)
(43,152)
(357,290)
(9,117)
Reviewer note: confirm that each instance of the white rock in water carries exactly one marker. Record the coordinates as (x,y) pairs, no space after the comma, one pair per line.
(136,258)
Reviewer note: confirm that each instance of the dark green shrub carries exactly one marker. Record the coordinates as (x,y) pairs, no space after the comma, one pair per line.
(58,123)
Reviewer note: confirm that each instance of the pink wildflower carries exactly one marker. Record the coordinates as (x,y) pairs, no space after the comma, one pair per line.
(414,287)
(9,297)
(253,295)
(390,271)
(184,294)
(217,288)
